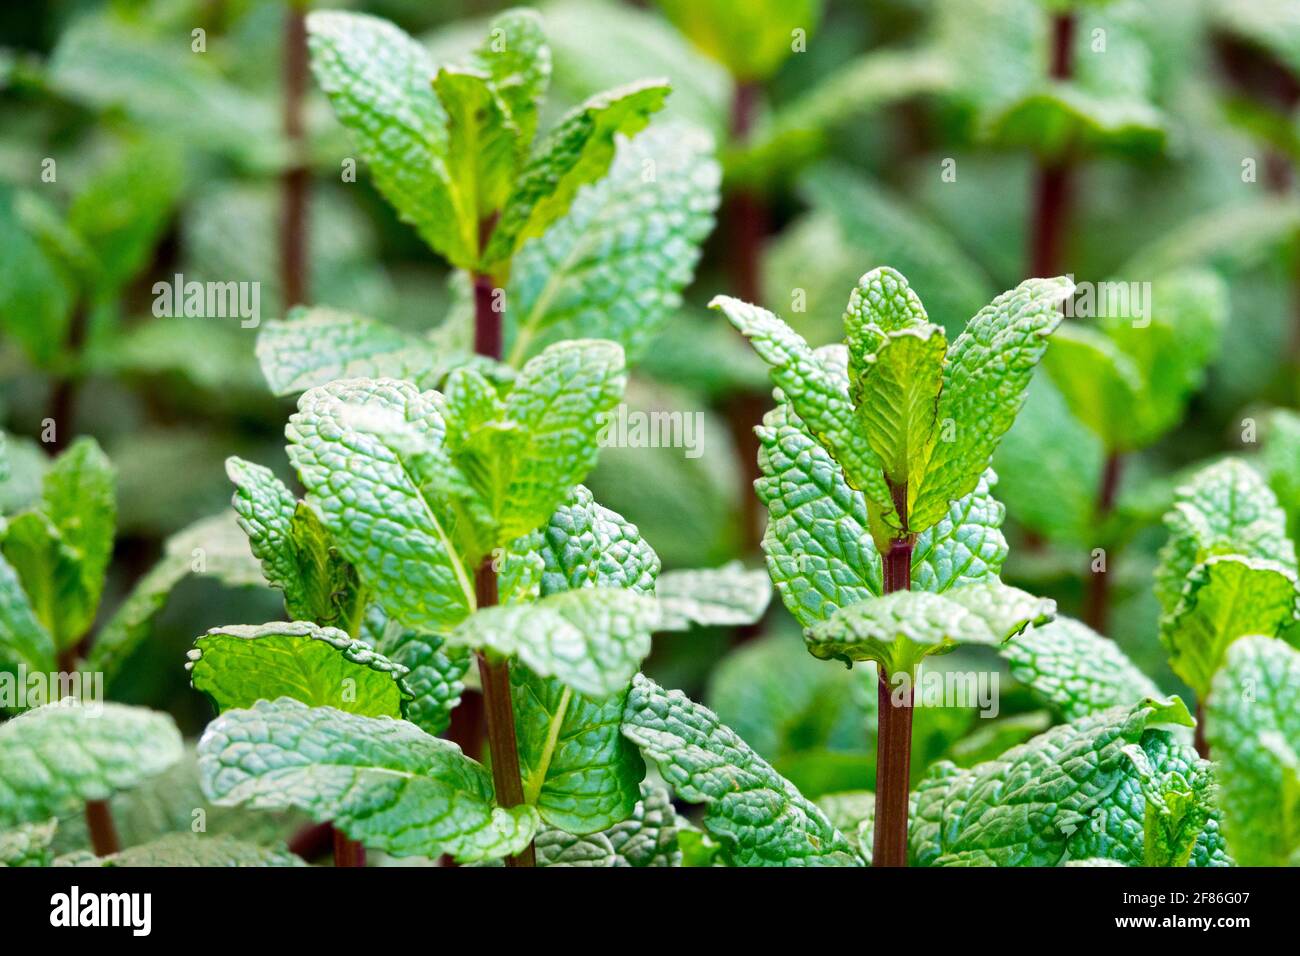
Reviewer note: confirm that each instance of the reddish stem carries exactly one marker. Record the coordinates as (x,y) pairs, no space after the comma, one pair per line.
(1096,610)
(103,833)
(894,733)
(295,179)
(1052,186)
(1200,741)
(312,841)
(348,852)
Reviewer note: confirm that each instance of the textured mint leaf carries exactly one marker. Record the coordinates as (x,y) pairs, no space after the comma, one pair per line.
(517,61)
(315,346)
(483,146)
(28,844)
(1225,598)
(383,782)
(898,630)
(751,38)
(614,266)
(435,674)
(1179,807)
(1076,670)
(1253,727)
(577,151)
(556,847)
(239,664)
(265,507)
(853,812)
(757,815)
(61,546)
(1098,381)
(557,403)
(211,547)
(729,596)
(592,640)
(989,368)
(896,390)
(1074,792)
(1225,508)
(576,768)
(587,545)
(379,82)
(1281,451)
(24,641)
(371,498)
(818,396)
(966,546)
(190,849)
(57,756)
(649,836)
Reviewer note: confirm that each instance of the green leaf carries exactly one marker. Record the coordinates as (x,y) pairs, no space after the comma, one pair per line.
(25,644)
(379,82)
(1280,453)
(1179,807)
(60,548)
(1225,598)
(899,629)
(649,836)
(577,151)
(212,547)
(434,674)
(558,403)
(587,545)
(1100,383)
(816,395)
(1224,509)
(1074,669)
(966,546)
(592,640)
(989,368)
(483,145)
(576,768)
(315,346)
(239,664)
(758,815)
(518,63)
(296,551)
(1072,793)
(28,844)
(383,782)
(36,294)
(1253,727)
(752,38)
(191,849)
(729,596)
(54,757)
(369,491)
(614,266)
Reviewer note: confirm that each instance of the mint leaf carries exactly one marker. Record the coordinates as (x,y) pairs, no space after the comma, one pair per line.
(614,266)
(649,836)
(61,546)
(899,629)
(518,63)
(380,84)
(1099,382)
(1253,726)
(818,396)
(966,546)
(1225,598)
(751,38)
(587,545)
(989,368)
(729,596)
(371,494)
(383,782)
(1074,792)
(577,151)
(591,640)
(190,849)
(24,641)
(239,664)
(28,844)
(576,767)
(1076,670)
(54,757)
(1224,509)
(557,403)
(435,674)
(757,815)
(315,346)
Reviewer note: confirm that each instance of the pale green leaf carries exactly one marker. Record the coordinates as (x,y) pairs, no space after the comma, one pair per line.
(28,844)
(751,38)
(383,782)
(435,674)
(588,545)
(483,145)
(24,642)
(729,596)
(517,60)
(191,849)
(896,390)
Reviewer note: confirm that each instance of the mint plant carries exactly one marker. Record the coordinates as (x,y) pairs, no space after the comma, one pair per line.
(903,429)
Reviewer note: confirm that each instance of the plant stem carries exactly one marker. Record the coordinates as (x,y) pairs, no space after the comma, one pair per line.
(1096,610)
(1201,743)
(494,675)
(894,733)
(312,841)
(99,815)
(1052,186)
(293,225)
(347,852)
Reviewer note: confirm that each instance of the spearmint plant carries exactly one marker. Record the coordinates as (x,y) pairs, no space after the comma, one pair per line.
(889,433)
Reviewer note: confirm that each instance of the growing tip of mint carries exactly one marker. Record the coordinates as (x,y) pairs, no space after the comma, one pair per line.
(1168,713)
